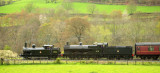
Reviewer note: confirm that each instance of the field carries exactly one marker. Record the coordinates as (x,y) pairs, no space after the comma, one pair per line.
(78,7)
(63,68)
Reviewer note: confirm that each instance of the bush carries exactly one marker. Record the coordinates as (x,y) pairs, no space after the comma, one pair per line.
(58,60)
(110,62)
(7,54)
(6,47)
(83,62)
(29,7)
(149,62)
(91,62)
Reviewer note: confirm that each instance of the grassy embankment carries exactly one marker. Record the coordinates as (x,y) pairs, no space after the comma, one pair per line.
(57,68)
(78,7)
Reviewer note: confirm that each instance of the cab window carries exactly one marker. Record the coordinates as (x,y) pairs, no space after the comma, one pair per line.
(151,48)
(159,48)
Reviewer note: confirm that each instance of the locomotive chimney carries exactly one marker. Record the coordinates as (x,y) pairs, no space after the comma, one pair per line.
(33,46)
(25,44)
(67,43)
(80,43)
(53,46)
(105,44)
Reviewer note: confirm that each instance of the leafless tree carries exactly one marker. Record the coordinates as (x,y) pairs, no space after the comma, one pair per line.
(91,8)
(78,27)
(131,7)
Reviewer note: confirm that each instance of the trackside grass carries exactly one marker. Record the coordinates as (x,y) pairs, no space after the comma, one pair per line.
(64,68)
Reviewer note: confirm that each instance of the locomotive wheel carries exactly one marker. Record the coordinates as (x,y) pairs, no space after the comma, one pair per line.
(26,58)
(149,57)
(49,58)
(118,57)
(143,58)
(127,58)
(110,58)
(155,58)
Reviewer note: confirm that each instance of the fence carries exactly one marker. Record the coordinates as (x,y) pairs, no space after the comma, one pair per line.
(67,61)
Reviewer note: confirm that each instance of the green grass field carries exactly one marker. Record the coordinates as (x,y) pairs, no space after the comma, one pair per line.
(78,7)
(63,68)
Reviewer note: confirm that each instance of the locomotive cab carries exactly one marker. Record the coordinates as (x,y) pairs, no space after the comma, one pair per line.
(48,47)
(105,45)
(100,45)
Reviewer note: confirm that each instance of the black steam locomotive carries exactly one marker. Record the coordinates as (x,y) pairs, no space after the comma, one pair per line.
(47,51)
(101,50)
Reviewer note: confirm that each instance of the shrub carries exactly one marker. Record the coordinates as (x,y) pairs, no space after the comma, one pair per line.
(149,62)
(58,60)
(110,62)
(6,47)
(29,7)
(91,62)
(83,62)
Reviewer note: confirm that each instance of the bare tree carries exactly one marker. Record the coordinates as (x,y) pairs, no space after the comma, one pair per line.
(29,7)
(67,5)
(131,7)
(91,8)
(78,27)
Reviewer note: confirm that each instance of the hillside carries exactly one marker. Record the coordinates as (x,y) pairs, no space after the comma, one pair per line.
(77,6)
(39,22)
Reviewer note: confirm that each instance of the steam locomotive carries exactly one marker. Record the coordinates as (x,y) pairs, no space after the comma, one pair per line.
(46,51)
(100,50)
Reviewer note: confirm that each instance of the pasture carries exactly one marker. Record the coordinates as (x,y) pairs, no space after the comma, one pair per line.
(69,68)
(77,7)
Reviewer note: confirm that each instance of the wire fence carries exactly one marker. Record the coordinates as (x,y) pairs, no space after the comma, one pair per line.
(68,61)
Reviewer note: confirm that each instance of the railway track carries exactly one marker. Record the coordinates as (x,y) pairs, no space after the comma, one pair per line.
(96,60)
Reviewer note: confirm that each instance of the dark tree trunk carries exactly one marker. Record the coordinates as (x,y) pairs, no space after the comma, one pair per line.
(2,61)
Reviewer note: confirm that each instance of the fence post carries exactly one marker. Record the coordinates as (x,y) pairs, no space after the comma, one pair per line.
(86,61)
(14,61)
(21,61)
(142,62)
(40,60)
(66,60)
(47,61)
(8,61)
(97,60)
(135,62)
(18,61)
(33,60)
(2,61)
(114,61)
(127,61)
(151,62)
